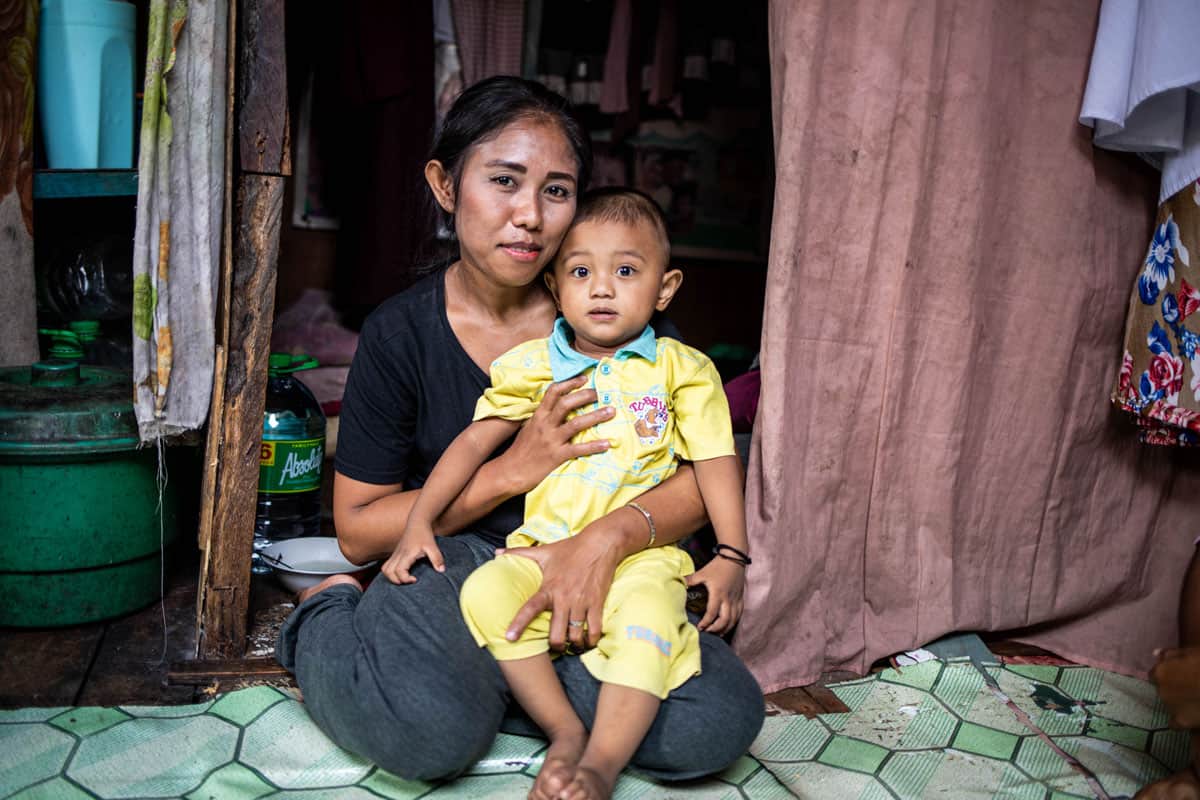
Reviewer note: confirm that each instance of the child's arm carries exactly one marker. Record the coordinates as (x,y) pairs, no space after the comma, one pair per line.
(452,472)
(720,481)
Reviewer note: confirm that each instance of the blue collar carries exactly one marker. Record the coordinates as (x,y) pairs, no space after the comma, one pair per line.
(567,362)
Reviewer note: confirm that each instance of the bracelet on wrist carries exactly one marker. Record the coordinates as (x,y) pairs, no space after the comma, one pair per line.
(731,553)
(649,521)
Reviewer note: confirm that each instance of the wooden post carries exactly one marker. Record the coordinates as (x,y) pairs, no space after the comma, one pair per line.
(235,429)
(263,138)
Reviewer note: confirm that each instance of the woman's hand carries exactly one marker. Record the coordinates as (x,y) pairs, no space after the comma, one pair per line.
(415,544)
(725,581)
(544,441)
(576,575)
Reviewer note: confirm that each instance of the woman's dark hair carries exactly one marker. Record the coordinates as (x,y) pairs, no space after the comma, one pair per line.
(487,107)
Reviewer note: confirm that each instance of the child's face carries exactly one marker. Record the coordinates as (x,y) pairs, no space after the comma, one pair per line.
(608,279)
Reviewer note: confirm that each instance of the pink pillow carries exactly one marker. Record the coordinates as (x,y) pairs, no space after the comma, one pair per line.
(742,393)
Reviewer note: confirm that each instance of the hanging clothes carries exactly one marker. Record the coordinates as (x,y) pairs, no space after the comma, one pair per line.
(380,129)
(490,37)
(1141,97)
(177,236)
(1159,379)
(664,70)
(447,68)
(18,314)
(614,92)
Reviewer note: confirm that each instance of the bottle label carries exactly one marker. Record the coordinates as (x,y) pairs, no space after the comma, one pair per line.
(287,467)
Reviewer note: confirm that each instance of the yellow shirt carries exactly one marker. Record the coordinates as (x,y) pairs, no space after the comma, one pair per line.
(669,406)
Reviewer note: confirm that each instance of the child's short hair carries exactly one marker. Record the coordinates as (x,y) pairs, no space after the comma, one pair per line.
(626,206)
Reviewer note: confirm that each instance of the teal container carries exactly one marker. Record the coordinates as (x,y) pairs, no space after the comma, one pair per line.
(82,528)
(85,83)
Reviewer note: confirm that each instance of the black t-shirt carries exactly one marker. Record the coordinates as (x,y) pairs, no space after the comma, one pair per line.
(412,388)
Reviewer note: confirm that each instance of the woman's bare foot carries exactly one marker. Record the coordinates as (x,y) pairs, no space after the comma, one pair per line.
(332,580)
(590,784)
(559,765)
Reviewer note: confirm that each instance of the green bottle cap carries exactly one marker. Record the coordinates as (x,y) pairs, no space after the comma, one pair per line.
(286,363)
(86,329)
(63,344)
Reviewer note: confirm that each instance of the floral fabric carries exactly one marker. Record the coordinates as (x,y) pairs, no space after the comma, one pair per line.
(1159,381)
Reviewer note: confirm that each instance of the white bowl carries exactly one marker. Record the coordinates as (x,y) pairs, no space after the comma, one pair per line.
(304,562)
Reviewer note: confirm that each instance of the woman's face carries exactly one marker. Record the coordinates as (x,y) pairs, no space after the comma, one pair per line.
(515,199)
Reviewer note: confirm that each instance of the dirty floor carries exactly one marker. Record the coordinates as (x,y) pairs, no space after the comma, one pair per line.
(940,728)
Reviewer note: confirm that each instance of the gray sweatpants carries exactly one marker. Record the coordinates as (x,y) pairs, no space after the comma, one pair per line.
(394,676)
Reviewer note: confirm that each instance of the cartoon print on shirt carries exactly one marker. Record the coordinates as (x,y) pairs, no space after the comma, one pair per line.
(651,415)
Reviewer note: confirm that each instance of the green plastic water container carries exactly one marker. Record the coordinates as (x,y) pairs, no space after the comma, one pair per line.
(86,82)
(81,531)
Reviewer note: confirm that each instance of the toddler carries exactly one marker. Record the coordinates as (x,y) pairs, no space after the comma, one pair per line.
(608,278)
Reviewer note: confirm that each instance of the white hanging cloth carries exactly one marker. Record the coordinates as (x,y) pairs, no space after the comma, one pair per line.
(1143,89)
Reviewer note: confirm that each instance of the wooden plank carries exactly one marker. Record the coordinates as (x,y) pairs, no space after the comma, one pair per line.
(212,452)
(216,417)
(200,673)
(826,699)
(837,676)
(796,700)
(263,125)
(227,571)
(46,667)
(1008,648)
(131,662)
(246,316)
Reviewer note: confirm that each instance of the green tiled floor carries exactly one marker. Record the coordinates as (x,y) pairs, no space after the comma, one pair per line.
(931,730)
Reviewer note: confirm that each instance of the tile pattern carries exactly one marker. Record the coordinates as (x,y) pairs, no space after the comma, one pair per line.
(934,729)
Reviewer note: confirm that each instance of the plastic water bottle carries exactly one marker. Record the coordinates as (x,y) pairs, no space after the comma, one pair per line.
(293,450)
(90,280)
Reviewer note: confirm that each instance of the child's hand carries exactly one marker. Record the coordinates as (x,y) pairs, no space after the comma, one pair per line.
(725,581)
(415,544)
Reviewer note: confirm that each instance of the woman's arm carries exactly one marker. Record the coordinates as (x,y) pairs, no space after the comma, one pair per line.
(370,518)
(577,572)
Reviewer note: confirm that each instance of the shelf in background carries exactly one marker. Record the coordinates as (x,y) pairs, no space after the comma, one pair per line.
(54,184)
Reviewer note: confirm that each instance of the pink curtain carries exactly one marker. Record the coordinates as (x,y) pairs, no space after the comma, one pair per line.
(950,269)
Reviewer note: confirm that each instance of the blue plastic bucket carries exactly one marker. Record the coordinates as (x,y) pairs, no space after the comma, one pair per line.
(86,83)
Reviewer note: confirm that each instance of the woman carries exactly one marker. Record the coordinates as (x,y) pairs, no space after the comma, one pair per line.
(392,673)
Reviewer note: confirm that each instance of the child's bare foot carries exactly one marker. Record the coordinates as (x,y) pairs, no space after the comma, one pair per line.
(589,784)
(1183,785)
(332,580)
(559,765)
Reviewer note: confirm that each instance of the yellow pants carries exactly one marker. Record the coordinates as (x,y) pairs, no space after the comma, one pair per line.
(647,642)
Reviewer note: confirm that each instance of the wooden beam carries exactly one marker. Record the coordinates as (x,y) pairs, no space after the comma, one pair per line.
(200,673)
(216,414)
(230,491)
(263,125)
(227,575)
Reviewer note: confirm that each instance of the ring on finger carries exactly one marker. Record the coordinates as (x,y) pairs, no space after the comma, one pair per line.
(577,623)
